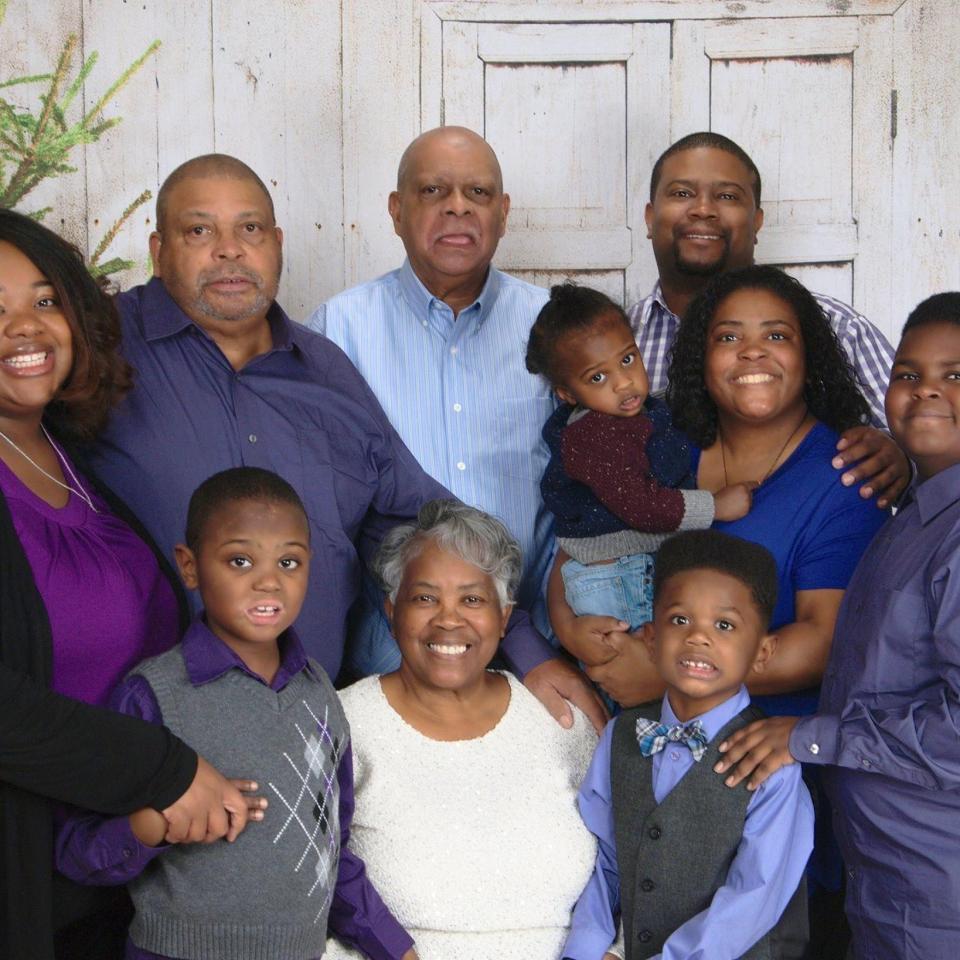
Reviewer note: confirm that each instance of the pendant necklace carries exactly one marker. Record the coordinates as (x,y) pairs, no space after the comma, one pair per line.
(78,489)
(776,459)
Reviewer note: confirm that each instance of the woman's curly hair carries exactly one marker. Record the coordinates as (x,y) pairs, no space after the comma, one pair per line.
(99,376)
(830,391)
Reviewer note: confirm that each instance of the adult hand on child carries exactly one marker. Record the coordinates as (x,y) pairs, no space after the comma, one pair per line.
(211,807)
(586,638)
(630,677)
(734,502)
(878,462)
(757,751)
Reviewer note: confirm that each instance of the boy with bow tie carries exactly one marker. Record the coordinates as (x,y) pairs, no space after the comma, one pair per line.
(692,868)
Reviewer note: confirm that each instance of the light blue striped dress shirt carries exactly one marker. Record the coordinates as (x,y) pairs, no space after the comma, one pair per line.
(459,395)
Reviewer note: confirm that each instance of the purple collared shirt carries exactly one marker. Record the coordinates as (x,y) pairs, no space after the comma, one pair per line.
(301,410)
(764,874)
(104,851)
(889,728)
(870,354)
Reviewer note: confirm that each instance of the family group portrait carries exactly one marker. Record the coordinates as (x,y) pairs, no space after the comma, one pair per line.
(479,480)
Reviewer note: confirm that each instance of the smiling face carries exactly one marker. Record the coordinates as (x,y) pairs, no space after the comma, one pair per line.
(923,399)
(36,342)
(447,620)
(251,569)
(601,368)
(218,250)
(703,218)
(755,367)
(706,637)
(449,209)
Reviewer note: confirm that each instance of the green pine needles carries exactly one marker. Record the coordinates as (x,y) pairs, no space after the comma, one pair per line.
(36,146)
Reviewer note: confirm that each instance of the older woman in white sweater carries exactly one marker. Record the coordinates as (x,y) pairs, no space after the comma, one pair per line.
(465,786)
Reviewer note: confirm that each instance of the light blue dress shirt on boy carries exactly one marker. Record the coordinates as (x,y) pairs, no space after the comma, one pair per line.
(457,391)
(764,874)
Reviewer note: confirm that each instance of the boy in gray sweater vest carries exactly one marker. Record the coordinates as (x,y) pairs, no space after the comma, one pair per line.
(241,689)
(690,867)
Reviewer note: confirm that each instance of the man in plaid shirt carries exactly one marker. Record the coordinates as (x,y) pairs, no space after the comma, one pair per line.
(703,217)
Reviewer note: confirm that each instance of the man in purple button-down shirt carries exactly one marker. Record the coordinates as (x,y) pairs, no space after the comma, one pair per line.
(224,379)
(888,727)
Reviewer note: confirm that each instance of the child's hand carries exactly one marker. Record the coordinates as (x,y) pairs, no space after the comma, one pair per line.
(733,502)
(757,751)
(255,805)
(149,826)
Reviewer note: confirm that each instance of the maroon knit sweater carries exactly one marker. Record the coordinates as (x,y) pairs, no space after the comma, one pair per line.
(608,454)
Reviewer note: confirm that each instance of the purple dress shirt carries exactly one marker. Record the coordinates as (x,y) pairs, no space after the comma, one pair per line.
(108,604)
(301,410)
(764,874)
(96,850)
(868,350)
(889,731)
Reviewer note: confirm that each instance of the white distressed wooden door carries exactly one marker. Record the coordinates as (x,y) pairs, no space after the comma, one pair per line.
(578,100)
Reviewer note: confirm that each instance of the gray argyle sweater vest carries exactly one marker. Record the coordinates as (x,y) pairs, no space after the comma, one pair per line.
(673,856)
(267,895)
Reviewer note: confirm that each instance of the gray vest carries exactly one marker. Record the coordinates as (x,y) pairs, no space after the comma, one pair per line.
(669,865)
(267,895)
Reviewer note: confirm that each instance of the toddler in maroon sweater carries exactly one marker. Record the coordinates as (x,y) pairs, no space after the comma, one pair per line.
(619,480)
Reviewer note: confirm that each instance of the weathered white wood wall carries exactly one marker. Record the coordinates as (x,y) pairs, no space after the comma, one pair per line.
(321,96)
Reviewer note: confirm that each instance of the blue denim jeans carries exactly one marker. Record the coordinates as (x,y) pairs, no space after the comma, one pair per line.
(621,589)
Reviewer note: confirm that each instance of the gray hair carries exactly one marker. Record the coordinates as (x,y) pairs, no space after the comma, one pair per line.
(467,533)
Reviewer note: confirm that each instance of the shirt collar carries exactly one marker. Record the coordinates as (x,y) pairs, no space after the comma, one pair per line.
(208,658)
(934,495)
(713,720)
(656,297)
(162,317)
(420,299)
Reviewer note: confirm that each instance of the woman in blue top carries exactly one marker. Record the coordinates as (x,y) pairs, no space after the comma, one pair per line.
(760,384)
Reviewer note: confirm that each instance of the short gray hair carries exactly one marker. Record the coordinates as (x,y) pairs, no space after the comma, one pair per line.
(467,533)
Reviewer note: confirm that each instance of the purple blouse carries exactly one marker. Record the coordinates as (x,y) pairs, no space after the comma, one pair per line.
(108,604)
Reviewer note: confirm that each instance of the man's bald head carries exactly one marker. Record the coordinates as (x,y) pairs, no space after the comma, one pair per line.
(216,166)
(455,136)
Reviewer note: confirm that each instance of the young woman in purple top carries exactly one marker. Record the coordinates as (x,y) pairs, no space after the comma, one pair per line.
(82,597)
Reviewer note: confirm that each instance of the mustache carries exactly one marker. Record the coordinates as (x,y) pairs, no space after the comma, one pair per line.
(214,276)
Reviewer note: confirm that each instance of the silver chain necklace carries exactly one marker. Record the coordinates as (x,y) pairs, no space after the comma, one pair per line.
(78,489)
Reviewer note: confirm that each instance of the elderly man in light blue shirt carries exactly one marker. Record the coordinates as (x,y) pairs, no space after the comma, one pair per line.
(441,342)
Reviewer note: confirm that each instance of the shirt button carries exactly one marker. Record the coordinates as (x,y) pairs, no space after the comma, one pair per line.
(674,755)
(457,408)
(814,748)
(252,438)
(453,351)
(864,763)
(127,853)
(461,466)
(647,885)
(424,322)
(654,833)
(644,936)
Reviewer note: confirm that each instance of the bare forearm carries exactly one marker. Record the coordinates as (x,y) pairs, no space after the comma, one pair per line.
(799,660)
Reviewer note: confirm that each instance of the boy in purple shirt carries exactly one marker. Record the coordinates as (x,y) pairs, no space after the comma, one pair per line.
(241,687)
(888,726)
(691,869)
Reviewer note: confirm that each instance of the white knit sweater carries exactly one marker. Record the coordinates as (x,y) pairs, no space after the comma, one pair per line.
(475,845)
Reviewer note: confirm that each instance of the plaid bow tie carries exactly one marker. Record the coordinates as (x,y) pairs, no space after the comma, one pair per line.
(653,737)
